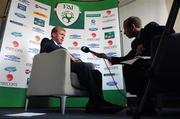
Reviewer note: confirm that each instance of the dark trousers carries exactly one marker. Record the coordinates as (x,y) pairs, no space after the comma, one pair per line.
(136,80)
(136,76)
(89,78)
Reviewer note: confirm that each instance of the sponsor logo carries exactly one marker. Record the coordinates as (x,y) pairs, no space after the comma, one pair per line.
(17,23)
(34,42)
(111,83)
(27,71)
(93,58)
(20,15)
(29,64)
(12,58)
(109,27)
(75,36)
(109,35)
(108,20)
(96,65)
(110,42)
(37,38)
(93,35)
(10,69)
(15,44)
(8,84)
(25,2)
(110,47)
(67,13)
(93,39)
(93,29)
(75,43)
(40,14)
(36,29)
(16,34)
(111,68)
(33,50)
(108,14)
(93,22)
(21,7)
(74,48)
(111,54)
(40,7)
(13,49)
(39,22)
(93,45)
(9,76)
(110,74)
(93,15)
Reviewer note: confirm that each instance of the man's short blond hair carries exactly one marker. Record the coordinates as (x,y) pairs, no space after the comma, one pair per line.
(56,28)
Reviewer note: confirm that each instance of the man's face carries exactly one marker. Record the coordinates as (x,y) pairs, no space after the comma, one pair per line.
(128,30)
(58,36)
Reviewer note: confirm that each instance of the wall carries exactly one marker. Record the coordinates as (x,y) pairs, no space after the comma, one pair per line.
(147,10)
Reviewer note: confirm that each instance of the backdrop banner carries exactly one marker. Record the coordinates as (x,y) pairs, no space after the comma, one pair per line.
(91,24)
(26,25)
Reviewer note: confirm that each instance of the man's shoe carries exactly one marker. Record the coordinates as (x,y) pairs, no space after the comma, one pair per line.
(103,107)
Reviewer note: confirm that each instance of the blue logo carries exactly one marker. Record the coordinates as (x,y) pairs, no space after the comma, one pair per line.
(93,45)
(110,54)
(75,36)
(36,29)
(10,69)
(111,83)
(25,2)
(96,65)
(12,58)
(93,22)
(38,6)
(17,34)
(33,50)
(21,7)
(93,29)
(20,15)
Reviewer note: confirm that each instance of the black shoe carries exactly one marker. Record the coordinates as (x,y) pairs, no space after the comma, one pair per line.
(103,107)
(145,111)
(149,111)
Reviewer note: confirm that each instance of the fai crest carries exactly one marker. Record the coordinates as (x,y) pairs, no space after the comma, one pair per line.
(67,13)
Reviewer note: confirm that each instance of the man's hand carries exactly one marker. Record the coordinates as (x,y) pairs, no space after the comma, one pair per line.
(139,50)
(101,55)
(75,59)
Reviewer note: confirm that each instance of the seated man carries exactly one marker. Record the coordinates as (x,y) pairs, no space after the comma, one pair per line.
(135,75)
(88,78)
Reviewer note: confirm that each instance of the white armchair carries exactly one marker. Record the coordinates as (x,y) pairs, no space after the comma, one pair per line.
(51,76)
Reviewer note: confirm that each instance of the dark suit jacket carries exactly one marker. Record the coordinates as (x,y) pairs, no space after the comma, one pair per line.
(48,45)
(146,35)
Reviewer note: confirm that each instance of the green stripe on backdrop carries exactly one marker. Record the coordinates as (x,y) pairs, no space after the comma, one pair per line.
(84,6)
(15,97)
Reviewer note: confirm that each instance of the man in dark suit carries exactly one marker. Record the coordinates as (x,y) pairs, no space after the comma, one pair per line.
(135,75)
(89,78)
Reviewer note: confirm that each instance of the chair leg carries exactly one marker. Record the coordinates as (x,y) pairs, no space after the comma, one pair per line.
(63,104)
(26,104)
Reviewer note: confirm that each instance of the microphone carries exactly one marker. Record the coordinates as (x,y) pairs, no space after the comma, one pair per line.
(86,50)
(100,55)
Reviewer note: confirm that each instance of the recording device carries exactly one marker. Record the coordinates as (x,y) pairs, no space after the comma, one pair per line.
(87,50)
